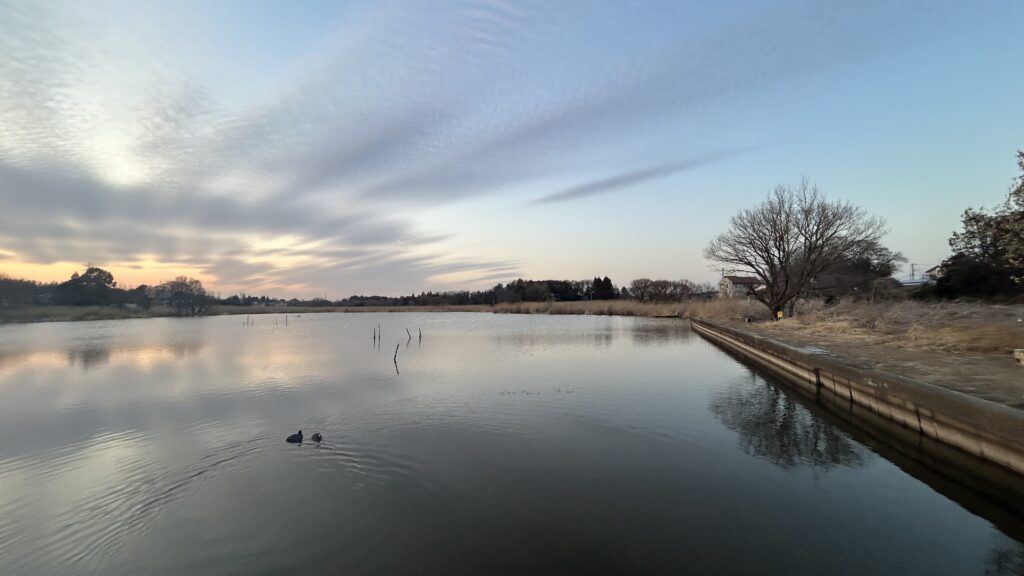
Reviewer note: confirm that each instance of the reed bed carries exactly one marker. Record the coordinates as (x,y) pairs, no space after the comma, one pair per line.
(945,326)
(592,307)
(74,313)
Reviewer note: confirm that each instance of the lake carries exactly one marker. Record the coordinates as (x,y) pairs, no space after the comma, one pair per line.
(496,444)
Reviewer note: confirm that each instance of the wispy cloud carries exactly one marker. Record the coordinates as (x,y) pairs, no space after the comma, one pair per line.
(114,147)
(627,179)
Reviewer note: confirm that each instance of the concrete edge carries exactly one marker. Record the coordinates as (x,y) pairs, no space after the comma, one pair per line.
(984,429)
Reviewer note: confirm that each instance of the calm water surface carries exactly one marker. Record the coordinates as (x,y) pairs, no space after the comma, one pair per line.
(501,445)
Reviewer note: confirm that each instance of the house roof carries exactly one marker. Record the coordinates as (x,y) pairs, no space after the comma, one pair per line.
(742,279)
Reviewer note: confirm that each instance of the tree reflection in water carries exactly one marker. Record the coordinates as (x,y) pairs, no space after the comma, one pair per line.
(774,426)
(90,357)
(93,356)
(1006,557)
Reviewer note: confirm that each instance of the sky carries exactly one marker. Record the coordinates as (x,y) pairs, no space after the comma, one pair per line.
(389,147)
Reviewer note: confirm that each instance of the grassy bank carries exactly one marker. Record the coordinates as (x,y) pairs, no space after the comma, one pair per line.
(941,326)
(719,309)
(74,313)
(594,307)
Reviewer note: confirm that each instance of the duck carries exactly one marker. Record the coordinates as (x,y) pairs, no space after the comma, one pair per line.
(295,438)
(317,437)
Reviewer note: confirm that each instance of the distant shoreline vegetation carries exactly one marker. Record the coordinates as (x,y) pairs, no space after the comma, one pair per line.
(94,294)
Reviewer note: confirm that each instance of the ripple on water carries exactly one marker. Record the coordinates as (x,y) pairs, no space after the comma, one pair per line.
(93,496)
(361,449)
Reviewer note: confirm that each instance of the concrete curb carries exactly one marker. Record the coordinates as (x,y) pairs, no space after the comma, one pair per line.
(984,429)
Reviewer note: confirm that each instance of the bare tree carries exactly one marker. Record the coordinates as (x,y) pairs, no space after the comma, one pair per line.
(640,289)
(186,295)
(647,290)
(790,238)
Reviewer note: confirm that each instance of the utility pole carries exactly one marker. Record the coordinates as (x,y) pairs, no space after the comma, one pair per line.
(912,276)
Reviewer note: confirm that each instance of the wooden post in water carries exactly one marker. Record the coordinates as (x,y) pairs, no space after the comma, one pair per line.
(395,359)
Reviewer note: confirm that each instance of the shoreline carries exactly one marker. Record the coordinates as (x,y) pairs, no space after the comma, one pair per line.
(38,314)
(988,430)
(43,314)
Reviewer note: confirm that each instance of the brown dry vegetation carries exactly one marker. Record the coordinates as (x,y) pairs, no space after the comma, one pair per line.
(943,326)
(73,313)
(736,309)
(593,307)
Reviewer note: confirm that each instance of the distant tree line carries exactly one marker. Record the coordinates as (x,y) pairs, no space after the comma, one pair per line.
(598,288)
(97,287)
(513,292)
(187,297)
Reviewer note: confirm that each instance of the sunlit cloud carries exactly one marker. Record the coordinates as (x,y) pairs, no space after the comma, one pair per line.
(308,162)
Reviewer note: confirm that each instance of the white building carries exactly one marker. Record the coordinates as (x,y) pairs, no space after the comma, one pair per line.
(730,286)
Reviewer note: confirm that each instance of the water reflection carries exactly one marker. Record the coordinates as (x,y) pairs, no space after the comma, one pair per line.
(158,447)
(639,331)
(92,356)
(661,333)
(774,426)
(88,357)
(1006,558)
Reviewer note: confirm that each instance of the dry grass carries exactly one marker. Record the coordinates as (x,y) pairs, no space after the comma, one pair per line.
(71,314)
(736,309)
(726,309)
(952,326)
(595,308)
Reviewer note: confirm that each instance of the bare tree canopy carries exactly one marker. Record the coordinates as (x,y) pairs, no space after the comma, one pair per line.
(186,295)
(647,290)
(792,237)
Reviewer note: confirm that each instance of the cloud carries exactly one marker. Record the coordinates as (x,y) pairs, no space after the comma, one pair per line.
(64,217)
(117,143)
(633,178)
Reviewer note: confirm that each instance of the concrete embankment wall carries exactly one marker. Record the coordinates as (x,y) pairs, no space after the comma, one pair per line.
(985,429)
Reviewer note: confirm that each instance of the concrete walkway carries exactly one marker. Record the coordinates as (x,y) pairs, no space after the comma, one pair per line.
(994,378)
